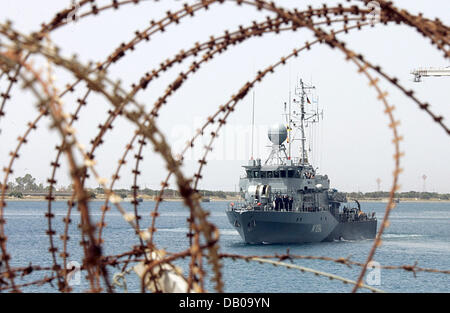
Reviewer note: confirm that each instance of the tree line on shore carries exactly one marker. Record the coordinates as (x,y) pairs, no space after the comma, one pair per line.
(28,185)
(168,193)
(402,195)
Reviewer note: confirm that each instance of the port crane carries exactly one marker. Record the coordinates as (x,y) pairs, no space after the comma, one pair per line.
(430,72)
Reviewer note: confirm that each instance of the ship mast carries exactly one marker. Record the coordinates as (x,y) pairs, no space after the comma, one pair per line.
(304,158)
(300,120)
(289,118)
(301,92)
(253,121)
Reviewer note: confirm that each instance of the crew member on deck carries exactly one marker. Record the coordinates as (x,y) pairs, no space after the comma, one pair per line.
(291,201)
(286,202)
(278,203)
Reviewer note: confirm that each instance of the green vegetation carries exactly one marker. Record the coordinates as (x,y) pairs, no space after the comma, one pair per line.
(168,193)
(123,195)
(403,195)
(16,194)
(92,195)
(27,185)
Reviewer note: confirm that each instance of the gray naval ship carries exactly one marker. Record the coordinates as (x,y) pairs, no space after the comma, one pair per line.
(285,199)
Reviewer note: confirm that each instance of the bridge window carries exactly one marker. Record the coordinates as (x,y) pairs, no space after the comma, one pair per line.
(291,173)
(282,174)
(256,174)
(276,174)
(269,174)
(263,174)
(249,174)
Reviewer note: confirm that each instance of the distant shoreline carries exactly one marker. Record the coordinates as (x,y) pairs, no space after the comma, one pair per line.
(401,200)
(147,199)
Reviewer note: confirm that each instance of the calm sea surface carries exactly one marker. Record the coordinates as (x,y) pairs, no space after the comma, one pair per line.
(419,232)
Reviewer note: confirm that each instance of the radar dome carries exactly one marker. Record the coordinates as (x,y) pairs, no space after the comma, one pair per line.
(277,134)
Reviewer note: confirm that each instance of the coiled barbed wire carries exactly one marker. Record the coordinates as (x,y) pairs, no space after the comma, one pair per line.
(16,55)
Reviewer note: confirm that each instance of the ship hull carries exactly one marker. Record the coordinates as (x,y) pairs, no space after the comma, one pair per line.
(297,227)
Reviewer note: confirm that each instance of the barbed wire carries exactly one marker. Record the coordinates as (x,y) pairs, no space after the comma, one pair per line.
(17,52)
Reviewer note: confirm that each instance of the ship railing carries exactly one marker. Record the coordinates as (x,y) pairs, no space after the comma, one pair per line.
(241,206)
(354,217)
(236,206)
(320,209)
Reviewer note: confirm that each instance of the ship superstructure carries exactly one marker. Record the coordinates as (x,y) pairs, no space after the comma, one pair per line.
(285,200)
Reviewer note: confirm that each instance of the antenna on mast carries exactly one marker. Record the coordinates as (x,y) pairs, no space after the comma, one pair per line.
(305,117)
(289,118)
(253,121)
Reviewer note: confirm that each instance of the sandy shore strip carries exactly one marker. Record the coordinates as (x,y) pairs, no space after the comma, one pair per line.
(146,198)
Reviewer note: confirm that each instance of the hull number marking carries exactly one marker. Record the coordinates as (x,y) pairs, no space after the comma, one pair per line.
(317,228)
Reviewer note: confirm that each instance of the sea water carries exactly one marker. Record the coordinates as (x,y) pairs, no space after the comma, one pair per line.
(419,232)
